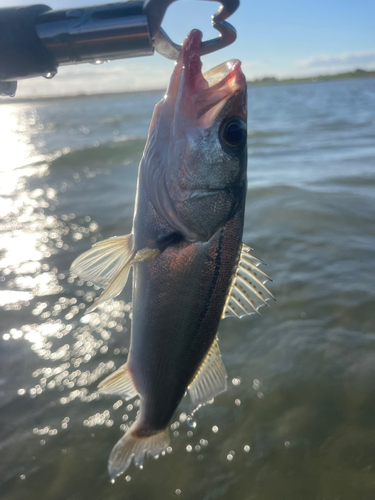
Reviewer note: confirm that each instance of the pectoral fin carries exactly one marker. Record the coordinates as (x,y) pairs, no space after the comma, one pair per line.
(210,379)
(247,292)
(104,260)
(108,264)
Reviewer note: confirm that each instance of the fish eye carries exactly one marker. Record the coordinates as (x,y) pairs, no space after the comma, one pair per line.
(233,133)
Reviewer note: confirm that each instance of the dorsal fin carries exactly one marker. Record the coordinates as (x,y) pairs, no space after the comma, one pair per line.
(247,292)
(210,379)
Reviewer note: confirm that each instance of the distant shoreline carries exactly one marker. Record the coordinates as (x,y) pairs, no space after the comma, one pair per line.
(271,80)
(259,82)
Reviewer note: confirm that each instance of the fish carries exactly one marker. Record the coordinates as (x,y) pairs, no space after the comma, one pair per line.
(190,267)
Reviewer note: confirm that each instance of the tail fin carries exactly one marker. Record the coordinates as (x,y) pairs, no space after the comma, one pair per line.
(131,445)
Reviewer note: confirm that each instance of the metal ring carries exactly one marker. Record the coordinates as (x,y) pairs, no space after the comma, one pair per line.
(155,11)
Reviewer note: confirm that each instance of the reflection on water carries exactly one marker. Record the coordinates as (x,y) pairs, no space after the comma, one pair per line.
(72,347)
(297,419)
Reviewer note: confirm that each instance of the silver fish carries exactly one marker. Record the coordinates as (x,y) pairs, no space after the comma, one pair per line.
(190,268)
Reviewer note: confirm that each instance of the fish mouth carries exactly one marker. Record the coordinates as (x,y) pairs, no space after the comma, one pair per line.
(204,95)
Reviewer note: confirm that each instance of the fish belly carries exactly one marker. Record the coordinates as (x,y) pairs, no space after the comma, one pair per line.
(178,301)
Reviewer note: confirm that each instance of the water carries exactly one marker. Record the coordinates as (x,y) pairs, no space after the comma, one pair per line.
(298,419)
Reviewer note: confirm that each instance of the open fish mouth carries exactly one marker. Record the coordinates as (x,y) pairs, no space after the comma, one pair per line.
(220,73)
(203,96)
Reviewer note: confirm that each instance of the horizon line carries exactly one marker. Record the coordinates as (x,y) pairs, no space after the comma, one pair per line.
(261,81)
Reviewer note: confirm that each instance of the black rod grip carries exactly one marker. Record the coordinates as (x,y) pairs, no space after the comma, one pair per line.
(22,53)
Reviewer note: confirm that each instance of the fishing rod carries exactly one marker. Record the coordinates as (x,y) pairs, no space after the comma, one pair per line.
(36,40)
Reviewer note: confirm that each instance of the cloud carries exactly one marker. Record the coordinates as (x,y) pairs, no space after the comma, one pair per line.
(347,59)
(117,76)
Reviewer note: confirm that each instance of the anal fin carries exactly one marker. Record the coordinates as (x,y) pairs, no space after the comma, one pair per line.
(119,382)
(210,379)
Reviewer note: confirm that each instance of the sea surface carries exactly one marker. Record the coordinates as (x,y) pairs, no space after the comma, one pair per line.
(298,419)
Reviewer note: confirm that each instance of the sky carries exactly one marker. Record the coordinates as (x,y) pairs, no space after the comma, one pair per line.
(282,38)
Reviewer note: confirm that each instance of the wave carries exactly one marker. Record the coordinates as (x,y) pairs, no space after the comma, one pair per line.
(341,124)
(109,153)
(266,134)
(350,181)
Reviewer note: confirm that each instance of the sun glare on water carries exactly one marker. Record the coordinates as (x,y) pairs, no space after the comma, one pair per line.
(35,241)
(71,350)
(43,306)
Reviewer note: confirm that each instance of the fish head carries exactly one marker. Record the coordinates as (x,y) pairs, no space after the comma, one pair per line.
(198,142)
